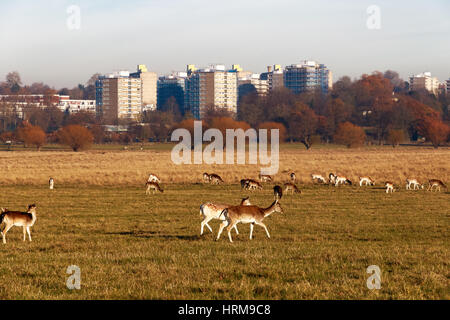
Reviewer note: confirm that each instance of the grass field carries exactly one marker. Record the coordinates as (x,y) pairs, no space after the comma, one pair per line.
(132,246)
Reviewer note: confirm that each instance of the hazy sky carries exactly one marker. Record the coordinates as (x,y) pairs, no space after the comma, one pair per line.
(166,35)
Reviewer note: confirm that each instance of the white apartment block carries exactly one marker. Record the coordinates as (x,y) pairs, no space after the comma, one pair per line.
(424,81)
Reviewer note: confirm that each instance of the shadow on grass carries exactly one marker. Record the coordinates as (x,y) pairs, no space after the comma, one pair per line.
(154,235)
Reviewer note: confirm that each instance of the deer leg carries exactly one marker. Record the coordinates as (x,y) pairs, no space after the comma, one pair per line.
(230,226)
(251,230)
(236,229)
(5,230)
(265,228)
(29,233)
(222,225)
(204,222)
(24,229)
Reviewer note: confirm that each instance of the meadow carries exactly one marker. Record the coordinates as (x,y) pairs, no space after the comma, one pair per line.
(129,245)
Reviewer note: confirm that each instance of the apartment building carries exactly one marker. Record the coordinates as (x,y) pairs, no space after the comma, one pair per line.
(252,83)
(274,77)
(122,95)
(306,76)
(172,85)
(424,81)
(213,86)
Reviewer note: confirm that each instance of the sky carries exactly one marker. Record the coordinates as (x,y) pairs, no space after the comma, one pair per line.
(166,35)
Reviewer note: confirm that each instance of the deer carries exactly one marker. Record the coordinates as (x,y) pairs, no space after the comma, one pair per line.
(206,177)
(436,183)
(51,183)
(318,177)
(389,187)
(247,214)
(19,219)
(253,185)
(153,187)
(342,180)
(367,181)
(293,177)
(265,178)
(244,183)
(414,183)
(291,187)
(215,178)
(331,178)
(277,192)
(210,211)
(153,178)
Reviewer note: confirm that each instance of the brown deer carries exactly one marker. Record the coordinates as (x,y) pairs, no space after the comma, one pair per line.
(436,183)
(389,187)
(153,187)
(264,178)
(210,211)
(206,177)
(215,178)
(367,181)
(247,214)
(291,187)
(19,219)
(253,185)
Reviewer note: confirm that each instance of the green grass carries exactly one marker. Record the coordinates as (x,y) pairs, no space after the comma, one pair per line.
(132,246)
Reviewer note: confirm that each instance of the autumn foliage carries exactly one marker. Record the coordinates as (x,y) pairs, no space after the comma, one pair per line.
(76,137)
(434,130)
(31,135)
(350,135)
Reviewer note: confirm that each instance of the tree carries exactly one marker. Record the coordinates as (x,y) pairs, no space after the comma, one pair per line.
(434,130)
(274,125)
(31,135)
(395,137)
(224,123)
(302,125)
(350,135)
(13,81)
(76,137)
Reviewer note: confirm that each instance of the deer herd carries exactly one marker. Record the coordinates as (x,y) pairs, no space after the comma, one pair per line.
(230,215)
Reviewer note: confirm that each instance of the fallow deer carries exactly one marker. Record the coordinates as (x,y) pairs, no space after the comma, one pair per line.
(210,211)
(265,178)
(247,214)
(153,178)
(389,187)
(414,183)
(153,187)
(367,181)
(436,183)
(277,192)
(215,178)
(291,187)
(19,219)
(318,177)
(253,185)
(341,180)
(206,177)
(331,178)
(293,177)
(51,183)
(244,183)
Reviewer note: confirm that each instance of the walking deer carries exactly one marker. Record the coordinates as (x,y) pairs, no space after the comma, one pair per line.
(19,219)
(414,183)
(265,178)
(291,187)
(367,181)
(215,178)
(436,183)
(153,187)
(389,187)
(247,214)
(318,177)
(51,183)
(153,178)
(210,211)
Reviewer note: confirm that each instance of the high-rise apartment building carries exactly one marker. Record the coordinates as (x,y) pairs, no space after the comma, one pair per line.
(308,75)
(252,83)
(172,85)
(274,77)
(213,86)
(424,81)
(122,95)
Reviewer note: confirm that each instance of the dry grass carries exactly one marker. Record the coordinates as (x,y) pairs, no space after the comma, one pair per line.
(132,167)
(132,246)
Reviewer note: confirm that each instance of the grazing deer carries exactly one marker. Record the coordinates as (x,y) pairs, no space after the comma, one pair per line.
(277,192)
(244,183)
(367,181)
(318,177)
(332,178)
(265,178)
(291,187)
(215,178)
(18,219)
(436,183)
(153,178)
(414,183)
(210,211)
(389,186)
(51,183)
(253,185)
(247,214)
(206,177)
(342,180)
(293,177)
(153,186)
